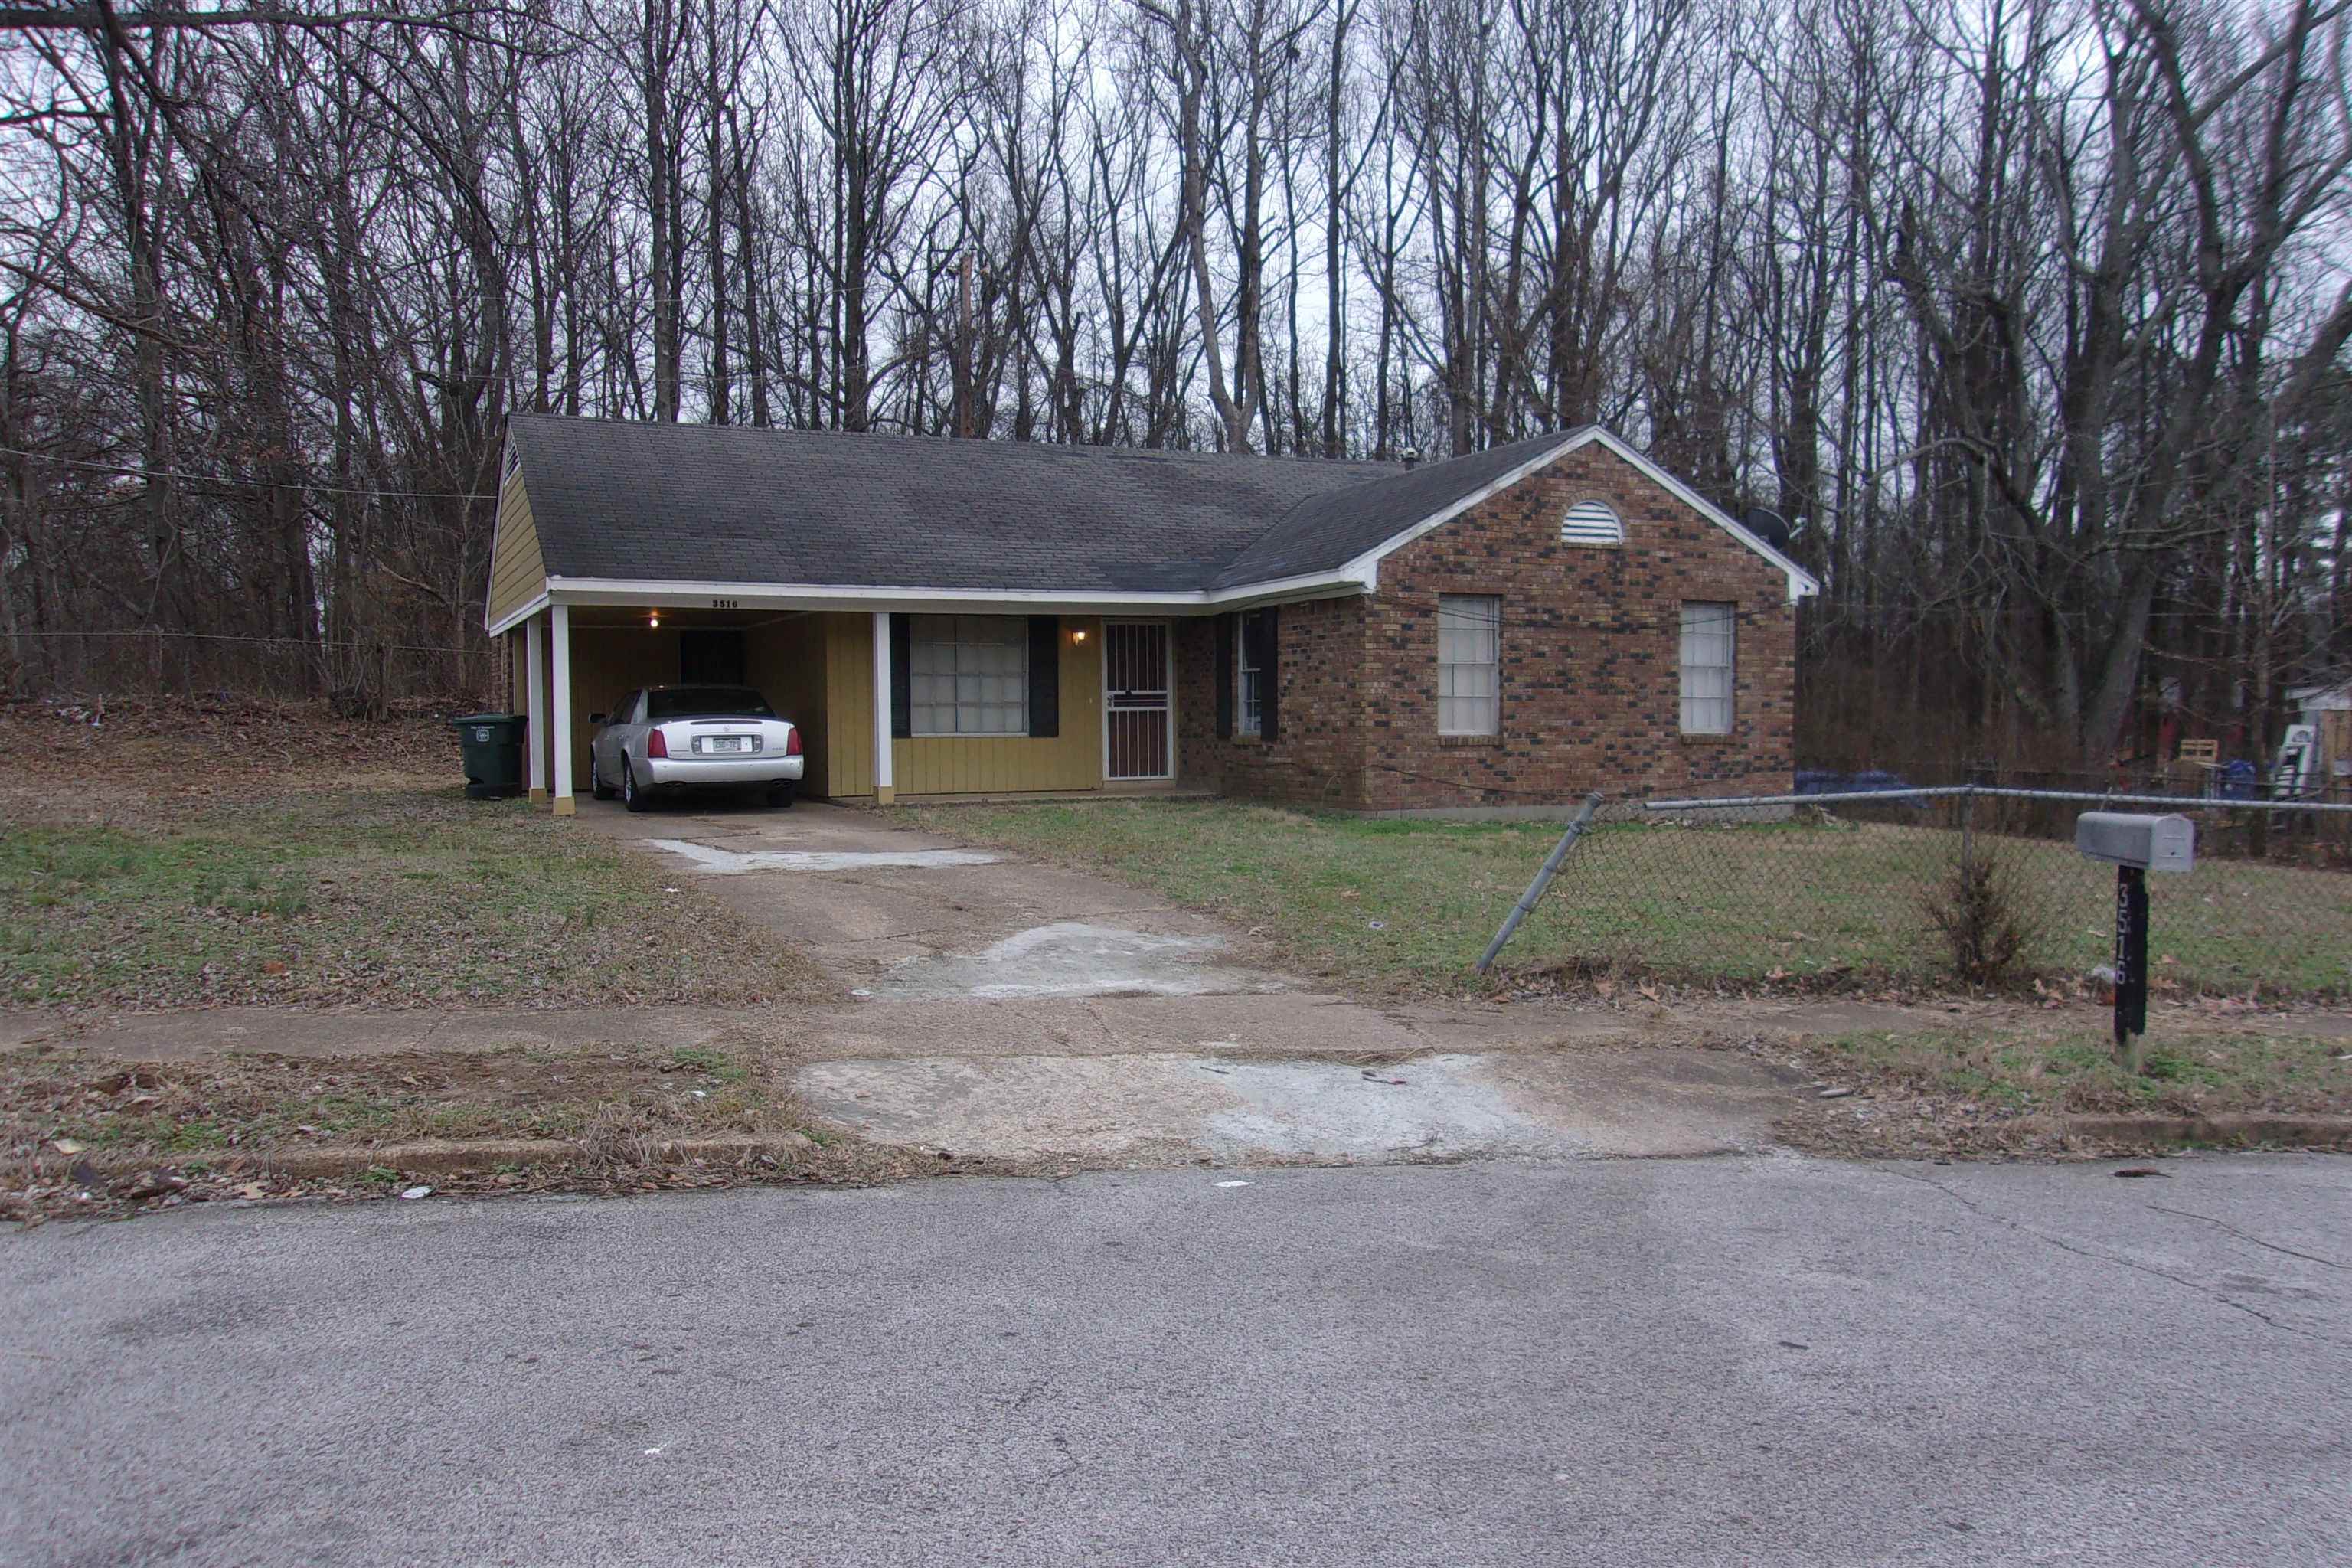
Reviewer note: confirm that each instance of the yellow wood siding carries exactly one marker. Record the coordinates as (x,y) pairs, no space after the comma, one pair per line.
(962,765)
(517,572)
(849,704)
(608,662)
(786,660)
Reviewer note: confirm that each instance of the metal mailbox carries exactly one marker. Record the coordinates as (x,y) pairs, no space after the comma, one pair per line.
(2133,844)
(2129,838)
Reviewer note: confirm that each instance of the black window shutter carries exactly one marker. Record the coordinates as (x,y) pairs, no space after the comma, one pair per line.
(1221,629)
(1269,680)
(1044,676)
(902,687)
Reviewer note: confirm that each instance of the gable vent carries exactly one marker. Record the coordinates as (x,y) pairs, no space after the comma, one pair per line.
(1591,523)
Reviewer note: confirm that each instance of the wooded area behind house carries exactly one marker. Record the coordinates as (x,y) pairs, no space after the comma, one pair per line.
(2033,314)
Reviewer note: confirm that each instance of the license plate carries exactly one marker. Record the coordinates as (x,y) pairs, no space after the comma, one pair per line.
(724,742)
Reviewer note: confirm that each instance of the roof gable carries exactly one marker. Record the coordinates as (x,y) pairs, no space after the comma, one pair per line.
(1542,451)
(631,502)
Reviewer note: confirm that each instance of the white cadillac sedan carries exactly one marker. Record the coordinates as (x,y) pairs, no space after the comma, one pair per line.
(660,740)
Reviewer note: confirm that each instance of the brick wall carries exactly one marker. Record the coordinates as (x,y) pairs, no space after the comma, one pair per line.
(1591,651)
(1591,637)
(1317,758)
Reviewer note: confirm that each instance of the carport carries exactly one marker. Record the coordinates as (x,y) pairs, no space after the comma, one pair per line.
(831,673)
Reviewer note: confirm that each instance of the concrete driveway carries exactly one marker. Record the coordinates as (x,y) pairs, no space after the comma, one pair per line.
(1005,1009)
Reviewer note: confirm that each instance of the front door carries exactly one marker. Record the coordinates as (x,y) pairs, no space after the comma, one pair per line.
(1137,740)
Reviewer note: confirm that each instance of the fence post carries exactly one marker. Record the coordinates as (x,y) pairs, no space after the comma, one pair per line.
(1550,868)
(1969,826)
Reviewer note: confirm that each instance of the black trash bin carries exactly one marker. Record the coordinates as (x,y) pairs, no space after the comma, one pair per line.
(493,744)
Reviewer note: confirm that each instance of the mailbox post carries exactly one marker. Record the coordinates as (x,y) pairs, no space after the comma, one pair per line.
(2135,845)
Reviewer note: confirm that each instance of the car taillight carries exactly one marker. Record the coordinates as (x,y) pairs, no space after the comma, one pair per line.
(655,746)
(792,742)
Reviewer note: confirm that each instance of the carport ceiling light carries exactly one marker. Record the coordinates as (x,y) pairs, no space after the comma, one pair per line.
(653,619)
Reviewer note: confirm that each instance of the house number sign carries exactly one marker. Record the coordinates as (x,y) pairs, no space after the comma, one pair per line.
(726,604)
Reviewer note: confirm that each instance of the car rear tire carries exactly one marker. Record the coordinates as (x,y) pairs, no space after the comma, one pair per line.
(632,796)
(781,795)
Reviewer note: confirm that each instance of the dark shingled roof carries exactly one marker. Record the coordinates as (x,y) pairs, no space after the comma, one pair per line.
(1331,528)
(730,504)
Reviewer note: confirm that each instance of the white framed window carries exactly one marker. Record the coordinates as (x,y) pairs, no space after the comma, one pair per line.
(1591,523)
(1709,651)
(1249,680)
(968,675)
(1469,664)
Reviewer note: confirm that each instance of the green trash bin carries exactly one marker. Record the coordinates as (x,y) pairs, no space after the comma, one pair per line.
(493,744)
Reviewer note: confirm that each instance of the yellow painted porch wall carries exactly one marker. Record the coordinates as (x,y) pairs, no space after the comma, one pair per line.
(786,660)
(962,765)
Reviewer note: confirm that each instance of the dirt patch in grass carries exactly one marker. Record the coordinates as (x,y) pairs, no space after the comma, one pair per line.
(1810,904)
(155,1110)
(1997,1090)
(68,760)
(82,1133)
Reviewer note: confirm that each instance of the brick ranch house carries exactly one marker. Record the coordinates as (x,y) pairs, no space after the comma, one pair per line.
(1503,630)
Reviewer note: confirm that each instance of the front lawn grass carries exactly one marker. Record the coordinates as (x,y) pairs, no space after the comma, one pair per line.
(2016,1071)
(325,895)
(1409,905)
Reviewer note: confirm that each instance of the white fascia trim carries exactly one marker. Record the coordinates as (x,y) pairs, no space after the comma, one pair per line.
(1366,567)
(1802,585)
(516,617)
(631,591)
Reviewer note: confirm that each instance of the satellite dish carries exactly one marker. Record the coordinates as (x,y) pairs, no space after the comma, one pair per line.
(1767,526)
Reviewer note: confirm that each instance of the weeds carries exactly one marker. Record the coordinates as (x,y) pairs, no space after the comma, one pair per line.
(1976,909)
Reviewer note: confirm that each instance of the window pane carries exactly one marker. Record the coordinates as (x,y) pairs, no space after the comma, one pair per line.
(969,675)
(1708,669)
(1469,656)
(1249,711)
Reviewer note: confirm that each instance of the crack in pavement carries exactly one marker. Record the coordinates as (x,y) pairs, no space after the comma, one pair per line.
(2064,1246)
(2242,1235)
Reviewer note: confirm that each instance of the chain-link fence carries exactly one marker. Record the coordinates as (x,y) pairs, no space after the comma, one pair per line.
(1970,884)
(364,674)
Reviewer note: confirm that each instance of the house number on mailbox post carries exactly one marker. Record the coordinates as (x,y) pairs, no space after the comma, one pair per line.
(2134,846)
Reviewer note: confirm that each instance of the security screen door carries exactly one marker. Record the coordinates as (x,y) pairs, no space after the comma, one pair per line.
(1135,741)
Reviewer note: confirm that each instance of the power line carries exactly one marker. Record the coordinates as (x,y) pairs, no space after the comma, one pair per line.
(134,471)
(302,643)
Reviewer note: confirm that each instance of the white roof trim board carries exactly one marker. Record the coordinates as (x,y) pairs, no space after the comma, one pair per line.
(1801,583)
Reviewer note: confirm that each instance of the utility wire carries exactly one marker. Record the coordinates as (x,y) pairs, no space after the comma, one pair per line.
(135,471)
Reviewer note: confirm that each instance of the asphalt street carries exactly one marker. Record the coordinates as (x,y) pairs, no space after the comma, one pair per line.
(1769,1359)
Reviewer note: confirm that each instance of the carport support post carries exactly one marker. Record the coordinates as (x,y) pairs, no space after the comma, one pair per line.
(559,621)
(885,791)
(534,650)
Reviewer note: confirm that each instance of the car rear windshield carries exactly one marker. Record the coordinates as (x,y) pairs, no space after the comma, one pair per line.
(705,701)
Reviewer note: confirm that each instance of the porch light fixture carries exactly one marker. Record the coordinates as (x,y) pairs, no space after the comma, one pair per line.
(653,621)
(1078,633)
